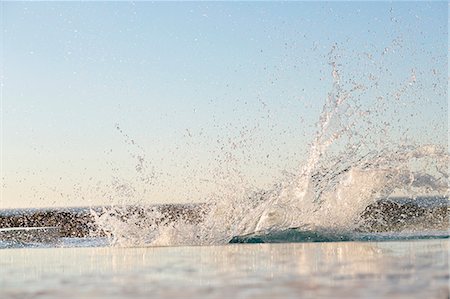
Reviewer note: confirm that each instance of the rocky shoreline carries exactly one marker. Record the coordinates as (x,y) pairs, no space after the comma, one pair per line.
(382,216)
(80,222)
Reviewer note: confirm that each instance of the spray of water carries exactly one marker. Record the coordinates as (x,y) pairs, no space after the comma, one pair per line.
(347,170)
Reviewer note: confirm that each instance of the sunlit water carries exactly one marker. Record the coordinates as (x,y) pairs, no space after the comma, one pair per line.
(412,269)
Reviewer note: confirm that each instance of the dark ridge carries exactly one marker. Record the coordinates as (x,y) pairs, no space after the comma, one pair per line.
(189,213)
(395,214)
(30,235)
(70,223)
(80,222)
(398,214)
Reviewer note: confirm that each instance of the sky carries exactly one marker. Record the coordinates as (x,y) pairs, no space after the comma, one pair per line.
(165,101)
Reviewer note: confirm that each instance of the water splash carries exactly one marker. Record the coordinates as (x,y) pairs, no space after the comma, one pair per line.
(347,170)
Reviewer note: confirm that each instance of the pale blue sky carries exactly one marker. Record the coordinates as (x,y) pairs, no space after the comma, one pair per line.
(182,78)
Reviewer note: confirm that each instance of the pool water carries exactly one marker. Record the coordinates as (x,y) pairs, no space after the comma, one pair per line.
(390,269)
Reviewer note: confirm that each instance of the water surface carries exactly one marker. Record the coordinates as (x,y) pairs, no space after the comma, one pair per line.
(396,269)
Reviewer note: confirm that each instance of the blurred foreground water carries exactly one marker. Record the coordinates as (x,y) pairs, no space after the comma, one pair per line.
(395,269)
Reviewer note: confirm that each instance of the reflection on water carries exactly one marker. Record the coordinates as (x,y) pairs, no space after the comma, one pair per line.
(417,269)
